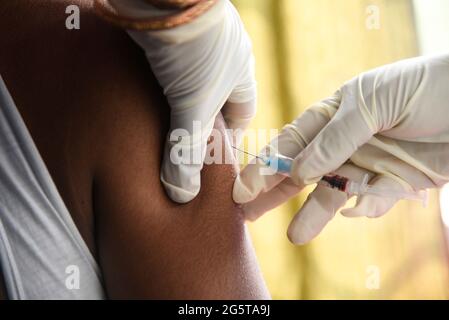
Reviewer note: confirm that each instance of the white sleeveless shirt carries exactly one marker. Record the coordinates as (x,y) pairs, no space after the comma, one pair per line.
(42,254)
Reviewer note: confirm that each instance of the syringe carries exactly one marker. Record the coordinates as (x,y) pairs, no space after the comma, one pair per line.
(283,165)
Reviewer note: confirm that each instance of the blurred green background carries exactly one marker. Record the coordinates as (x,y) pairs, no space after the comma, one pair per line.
(305,50)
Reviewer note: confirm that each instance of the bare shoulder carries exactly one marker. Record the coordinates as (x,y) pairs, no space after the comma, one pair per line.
(66,84)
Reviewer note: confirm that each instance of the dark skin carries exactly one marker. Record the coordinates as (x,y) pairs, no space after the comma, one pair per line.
(99,121)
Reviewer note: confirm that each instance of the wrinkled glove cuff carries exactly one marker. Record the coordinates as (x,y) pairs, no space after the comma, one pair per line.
(173,4)
(188,11)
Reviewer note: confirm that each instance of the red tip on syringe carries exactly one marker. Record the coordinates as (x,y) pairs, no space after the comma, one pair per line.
(336,182)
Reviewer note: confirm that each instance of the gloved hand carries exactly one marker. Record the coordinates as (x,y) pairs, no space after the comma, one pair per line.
(204,67)
(391,123)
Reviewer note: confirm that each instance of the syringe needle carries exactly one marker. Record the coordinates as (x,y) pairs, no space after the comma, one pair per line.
(248,153)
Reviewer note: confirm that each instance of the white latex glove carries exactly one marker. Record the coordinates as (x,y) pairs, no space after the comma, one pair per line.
(204,67)
(391,123)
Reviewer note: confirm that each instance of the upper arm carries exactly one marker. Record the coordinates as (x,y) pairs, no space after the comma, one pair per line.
(148,246)
(152,248)
(98,89)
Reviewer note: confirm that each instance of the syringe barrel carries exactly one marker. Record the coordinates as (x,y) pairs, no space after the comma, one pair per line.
(280,164)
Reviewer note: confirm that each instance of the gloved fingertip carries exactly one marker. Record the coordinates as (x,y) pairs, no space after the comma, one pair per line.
(376,207)
(352,213)
(370,207)
(240,193)
(178,194)
(363,208)
(299,235)
(309,222)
